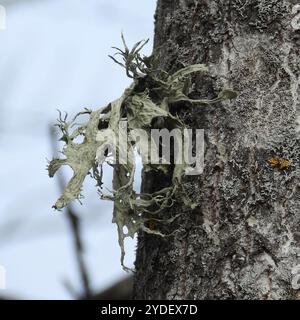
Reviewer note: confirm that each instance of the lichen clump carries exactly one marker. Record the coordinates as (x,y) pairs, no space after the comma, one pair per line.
(147,99)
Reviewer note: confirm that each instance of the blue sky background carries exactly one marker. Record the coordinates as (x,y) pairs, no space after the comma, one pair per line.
(54,56)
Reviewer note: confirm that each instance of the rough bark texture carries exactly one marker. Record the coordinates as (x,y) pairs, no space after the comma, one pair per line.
(242,241)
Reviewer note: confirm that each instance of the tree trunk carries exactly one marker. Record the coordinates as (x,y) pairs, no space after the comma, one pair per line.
(242,241)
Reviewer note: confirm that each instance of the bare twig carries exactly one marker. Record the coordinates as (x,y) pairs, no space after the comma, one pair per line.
(74,223)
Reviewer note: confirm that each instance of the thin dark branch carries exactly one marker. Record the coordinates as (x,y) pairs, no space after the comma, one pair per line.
(75,227)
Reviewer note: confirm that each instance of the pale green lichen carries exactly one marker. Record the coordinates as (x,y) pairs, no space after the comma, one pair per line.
(149,97)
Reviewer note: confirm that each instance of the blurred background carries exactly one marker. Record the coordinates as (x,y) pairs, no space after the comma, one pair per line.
(54,56)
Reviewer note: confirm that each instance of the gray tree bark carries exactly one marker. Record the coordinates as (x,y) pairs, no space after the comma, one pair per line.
(242,241)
